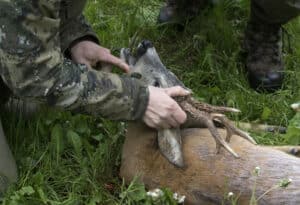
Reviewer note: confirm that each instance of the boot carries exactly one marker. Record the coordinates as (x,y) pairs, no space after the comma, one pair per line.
(264,64)
(8,168)
(180,11)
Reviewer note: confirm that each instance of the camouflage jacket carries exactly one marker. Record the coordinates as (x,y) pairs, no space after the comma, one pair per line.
(33,37)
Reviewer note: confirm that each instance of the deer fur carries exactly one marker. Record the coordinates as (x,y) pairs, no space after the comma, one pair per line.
(207,176)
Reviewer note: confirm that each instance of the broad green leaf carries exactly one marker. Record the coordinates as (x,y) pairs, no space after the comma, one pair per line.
(42,195)
(75,140)
(293,132)
(266,113)
(57,141)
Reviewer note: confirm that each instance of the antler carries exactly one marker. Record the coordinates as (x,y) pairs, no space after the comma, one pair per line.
(206,114)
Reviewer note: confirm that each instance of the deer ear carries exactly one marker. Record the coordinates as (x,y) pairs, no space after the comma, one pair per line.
(126,56)
(143,47)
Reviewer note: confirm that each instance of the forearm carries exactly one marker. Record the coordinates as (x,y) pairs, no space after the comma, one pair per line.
(74,87)
(32,66)
(99,93)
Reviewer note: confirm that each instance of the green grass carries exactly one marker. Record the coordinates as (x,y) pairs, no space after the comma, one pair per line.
(74,159)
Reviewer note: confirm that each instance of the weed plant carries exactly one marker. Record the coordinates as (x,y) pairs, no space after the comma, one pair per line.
(68,159)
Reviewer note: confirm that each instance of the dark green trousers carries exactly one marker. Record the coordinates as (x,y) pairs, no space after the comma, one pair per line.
(8,169)
(268,11)
(275,11)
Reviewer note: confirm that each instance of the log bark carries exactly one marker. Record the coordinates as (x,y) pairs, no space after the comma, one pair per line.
(208,176)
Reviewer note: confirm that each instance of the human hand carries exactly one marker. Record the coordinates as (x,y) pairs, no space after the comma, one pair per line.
(162,111)
(90,53)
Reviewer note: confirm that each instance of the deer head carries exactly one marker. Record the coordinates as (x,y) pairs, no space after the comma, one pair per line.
(146,65)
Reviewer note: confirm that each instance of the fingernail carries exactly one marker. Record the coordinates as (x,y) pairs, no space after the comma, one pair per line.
(188,92)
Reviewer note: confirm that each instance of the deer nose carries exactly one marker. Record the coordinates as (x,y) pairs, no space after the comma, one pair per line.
(156,83)
(143,46)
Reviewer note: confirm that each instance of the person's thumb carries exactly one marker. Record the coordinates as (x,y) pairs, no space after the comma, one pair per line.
(176,91)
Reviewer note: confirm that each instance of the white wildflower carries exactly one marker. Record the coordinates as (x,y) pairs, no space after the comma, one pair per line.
(180,199)
(155,194)
(230,194)
(296,106)
(285,182)
(257,170)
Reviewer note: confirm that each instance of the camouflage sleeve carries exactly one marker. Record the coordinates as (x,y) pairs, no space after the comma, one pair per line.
(74,29)
(73,26)
(33,67)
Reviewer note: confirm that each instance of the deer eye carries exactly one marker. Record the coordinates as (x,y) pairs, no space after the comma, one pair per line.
(136,75)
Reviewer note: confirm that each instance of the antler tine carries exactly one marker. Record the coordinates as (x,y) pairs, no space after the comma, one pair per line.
(232,129)
(210,108)
(245,135)
(206,118)
(217,117)
(219,140)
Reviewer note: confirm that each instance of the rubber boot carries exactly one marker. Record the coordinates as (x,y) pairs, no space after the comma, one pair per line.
(264,63)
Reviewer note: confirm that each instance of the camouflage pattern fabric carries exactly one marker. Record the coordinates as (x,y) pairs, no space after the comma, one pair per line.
(275,11)
(33,37)
(268,11)
(4,93)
